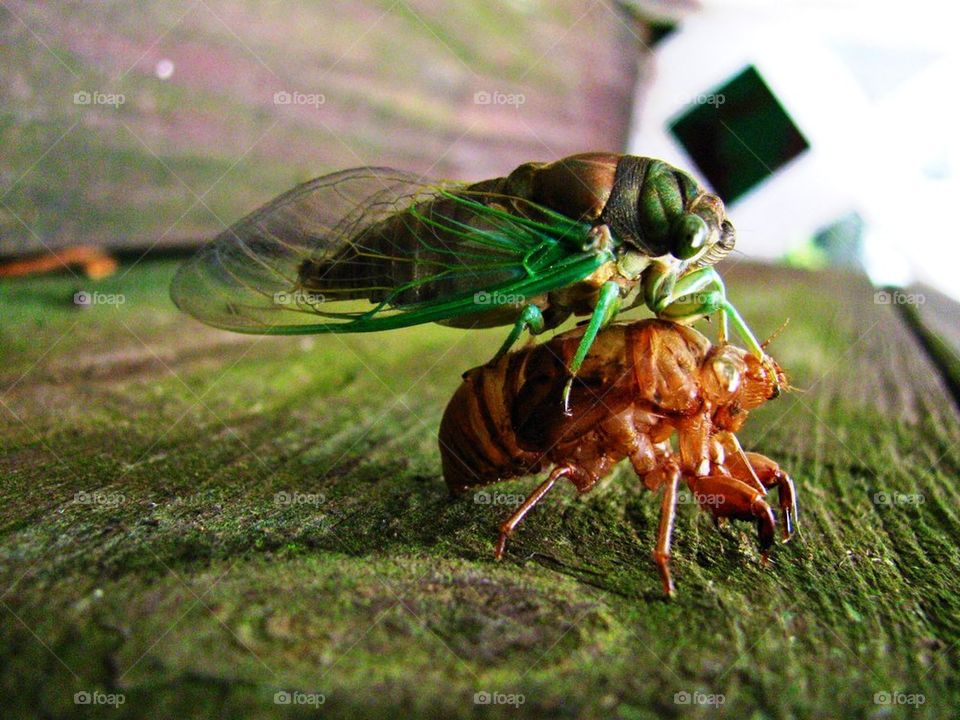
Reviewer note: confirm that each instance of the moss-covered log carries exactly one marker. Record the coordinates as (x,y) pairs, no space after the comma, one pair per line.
(198,521)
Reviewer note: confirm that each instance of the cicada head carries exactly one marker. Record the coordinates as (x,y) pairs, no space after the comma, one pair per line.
(661,210)
(734,382)
(763,381)
(704,234)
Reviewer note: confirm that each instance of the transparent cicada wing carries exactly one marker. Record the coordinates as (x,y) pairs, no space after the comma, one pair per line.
(248,278)
(374,248)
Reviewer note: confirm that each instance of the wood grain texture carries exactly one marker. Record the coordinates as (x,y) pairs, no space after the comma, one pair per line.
(199,520)
(935,321)
(393,83)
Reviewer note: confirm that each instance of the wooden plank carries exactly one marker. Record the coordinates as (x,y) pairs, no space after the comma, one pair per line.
(263,96)
(935,319)
(199,521)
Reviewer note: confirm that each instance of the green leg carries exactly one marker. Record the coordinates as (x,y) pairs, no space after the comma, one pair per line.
(702,293)
(531,319)
(709,296)
(608,303)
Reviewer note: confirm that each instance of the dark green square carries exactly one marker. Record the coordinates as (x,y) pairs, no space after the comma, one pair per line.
(738,134)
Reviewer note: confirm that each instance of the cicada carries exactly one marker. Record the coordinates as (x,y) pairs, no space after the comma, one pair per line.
(374,249)
(640,384)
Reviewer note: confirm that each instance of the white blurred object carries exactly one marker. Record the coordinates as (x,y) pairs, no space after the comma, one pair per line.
(872,86)
(164,69)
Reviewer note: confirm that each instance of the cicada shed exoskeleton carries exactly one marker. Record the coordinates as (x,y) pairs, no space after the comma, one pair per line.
(641,385)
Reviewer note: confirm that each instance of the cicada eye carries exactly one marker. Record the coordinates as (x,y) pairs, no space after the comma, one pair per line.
(728,235)
(727,374)
(690,233)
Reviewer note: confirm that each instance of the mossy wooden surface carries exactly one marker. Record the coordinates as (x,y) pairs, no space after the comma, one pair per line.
(199,520)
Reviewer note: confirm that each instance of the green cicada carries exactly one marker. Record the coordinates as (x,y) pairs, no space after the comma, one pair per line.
(375,249)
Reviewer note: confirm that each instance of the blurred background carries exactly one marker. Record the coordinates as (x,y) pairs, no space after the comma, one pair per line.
(145,128)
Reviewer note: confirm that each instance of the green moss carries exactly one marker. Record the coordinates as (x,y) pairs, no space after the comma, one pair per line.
(200,521)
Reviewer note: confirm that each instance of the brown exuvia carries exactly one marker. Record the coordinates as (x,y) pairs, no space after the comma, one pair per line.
(641,383)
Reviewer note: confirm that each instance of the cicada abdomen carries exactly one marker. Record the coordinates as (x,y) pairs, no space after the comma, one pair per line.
(449,242)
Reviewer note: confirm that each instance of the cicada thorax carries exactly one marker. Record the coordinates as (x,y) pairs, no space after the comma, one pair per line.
(578,186)
(653,363)
(648,198)
(642,200)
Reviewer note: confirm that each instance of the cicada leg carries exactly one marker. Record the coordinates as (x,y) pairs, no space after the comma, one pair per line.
(510,524)
(530,318)
(697,295)
(608,304)
(725,496)
(770,475)
(668,513)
